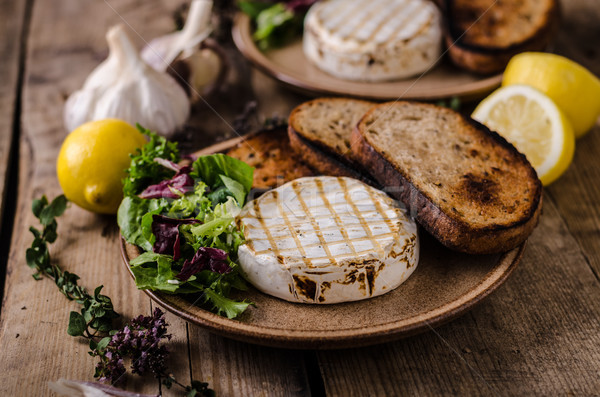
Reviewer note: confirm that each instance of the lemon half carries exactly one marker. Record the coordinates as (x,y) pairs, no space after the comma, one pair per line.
(572,87)
(534,124)
(92,162)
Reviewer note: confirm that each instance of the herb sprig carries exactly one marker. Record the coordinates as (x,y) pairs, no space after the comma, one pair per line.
(97,312)
(139,341)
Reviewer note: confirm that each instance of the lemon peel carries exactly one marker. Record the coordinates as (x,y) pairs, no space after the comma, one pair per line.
(534,124)
(572,87)
(92,161)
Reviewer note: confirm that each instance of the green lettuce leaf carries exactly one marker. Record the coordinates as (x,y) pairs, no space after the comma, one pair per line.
(129,217)
(143,171)
(155,278)
(210,169)
(223,305)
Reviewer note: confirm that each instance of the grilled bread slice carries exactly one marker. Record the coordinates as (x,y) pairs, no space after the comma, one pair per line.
(269,153)
(320,130)
(482,35)
(465,184)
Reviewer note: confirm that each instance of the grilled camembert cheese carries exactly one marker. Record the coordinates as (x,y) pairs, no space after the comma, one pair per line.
(373,40)
(326,240)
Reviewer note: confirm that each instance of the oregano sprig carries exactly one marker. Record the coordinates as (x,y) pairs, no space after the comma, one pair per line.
(97,312)
(138,341)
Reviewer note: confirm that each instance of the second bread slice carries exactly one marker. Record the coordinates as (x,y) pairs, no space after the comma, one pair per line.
(466,185)
(320,130)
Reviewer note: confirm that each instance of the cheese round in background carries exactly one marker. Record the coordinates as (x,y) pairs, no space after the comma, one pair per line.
(373,40)
(326,240)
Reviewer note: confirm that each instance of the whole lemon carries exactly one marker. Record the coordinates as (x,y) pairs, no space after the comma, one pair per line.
(92,162)
(572,87)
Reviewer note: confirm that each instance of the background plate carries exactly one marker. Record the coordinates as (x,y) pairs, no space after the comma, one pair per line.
(445,285)
(289,65)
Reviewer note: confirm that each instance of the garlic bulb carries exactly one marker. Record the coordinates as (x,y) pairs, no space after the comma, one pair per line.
(126,88)
(162,51)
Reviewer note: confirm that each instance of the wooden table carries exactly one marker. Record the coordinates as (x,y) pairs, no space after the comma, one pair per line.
(539,334)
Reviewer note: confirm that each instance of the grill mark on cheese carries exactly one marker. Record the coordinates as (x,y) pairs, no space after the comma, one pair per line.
(266,229)
(336,218)
(287,223)
(314,223)
(360,218)
(361,17)
(375,21)
(389,28)
(393,227)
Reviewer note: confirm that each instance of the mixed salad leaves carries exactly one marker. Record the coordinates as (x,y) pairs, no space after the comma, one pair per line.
(276,22)
(183,219)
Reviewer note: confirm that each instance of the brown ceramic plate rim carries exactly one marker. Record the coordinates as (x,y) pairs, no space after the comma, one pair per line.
(334,339)
(242,37)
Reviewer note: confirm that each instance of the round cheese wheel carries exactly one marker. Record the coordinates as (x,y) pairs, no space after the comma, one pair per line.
(373,40)
(326,240)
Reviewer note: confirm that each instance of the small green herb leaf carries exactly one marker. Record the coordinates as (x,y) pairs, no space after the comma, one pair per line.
(55,209)
(77,324)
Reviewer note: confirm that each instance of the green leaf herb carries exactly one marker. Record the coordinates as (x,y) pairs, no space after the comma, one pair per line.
(97,312)
(138,341)
(144,170)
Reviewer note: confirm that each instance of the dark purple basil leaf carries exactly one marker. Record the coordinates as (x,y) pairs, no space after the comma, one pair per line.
(166,231)
(299,5)
(205,258)
(182,182)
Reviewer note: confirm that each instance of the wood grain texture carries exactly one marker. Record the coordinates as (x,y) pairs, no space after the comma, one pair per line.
(577,193)
(240,369)
(66,42)
(537,334)
(12,16)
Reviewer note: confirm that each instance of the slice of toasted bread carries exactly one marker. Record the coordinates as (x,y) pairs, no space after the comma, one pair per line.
(270,154)
(482,35)
(465,184)
(320,130)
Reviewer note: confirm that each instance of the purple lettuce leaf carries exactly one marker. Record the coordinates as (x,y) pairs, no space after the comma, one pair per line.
(299,5)
(166,231)
(206,258)
(182,182)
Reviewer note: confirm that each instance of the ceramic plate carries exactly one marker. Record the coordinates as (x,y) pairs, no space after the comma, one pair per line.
(445,285)
(289,65)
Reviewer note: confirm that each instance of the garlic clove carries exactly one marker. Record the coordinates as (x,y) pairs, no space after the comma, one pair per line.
(162,51)
(126,88)
(205,67)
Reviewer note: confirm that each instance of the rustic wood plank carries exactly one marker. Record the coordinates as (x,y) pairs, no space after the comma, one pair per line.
(538,333)
(577,192)
(240,369)
(179,357)
(66,42)
(12,17)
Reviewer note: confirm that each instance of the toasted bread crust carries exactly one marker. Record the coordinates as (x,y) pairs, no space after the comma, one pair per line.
(470,45)
(450,230)
(324,163)
(274,161)
(327,155)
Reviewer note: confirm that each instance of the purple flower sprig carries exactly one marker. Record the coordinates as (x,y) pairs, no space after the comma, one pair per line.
(138,341)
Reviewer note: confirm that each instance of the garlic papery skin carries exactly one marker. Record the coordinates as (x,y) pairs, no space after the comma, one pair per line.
(125,87)
(162,51)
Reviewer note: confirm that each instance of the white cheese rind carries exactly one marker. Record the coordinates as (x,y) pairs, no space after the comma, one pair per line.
(373,41)
(327,240)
